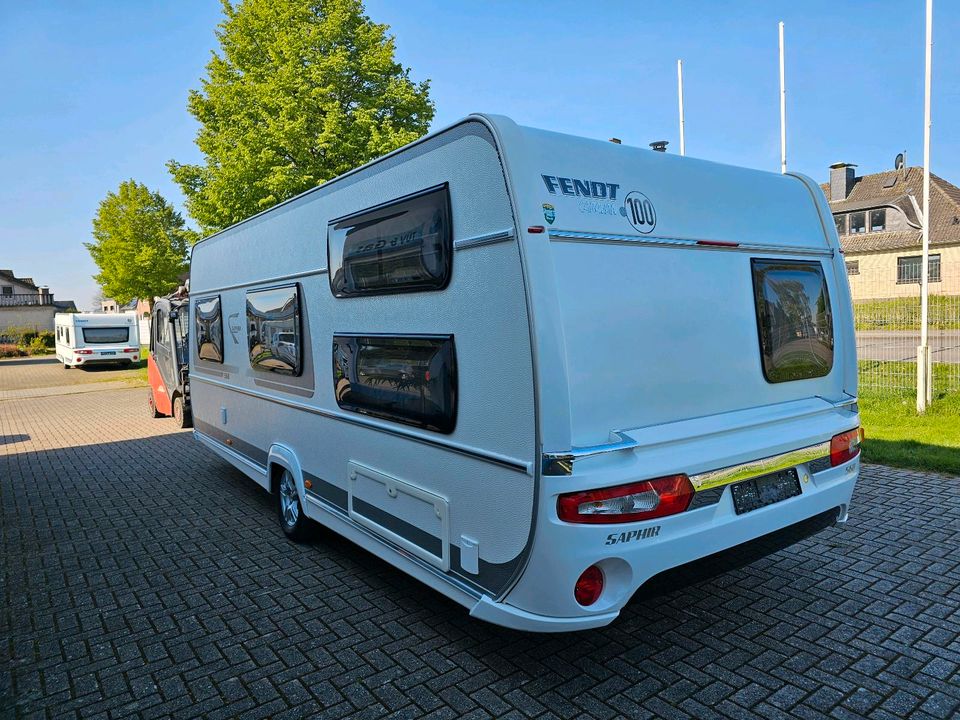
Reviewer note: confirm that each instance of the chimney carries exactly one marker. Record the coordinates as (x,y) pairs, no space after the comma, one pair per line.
(842,177)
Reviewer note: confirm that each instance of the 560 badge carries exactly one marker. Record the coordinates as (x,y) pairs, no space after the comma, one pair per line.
(638,209)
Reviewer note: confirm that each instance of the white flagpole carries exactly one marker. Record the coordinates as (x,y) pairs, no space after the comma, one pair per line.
(924,381)
(783,110)
(680,96)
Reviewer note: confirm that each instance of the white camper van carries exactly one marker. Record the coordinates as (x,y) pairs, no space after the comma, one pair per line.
(84,339)
(535,371)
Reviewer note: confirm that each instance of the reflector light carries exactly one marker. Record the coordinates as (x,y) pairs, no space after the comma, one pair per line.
(627,503)
(845,446)
(589,586)
(718,243)
(535,229)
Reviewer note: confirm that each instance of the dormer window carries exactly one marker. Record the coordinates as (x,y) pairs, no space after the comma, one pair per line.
(858,223)
(841,221)
(878,220)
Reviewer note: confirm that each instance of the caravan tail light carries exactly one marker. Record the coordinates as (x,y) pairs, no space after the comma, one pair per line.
(845,446)
(84,352)
(131,350)
(627,503)
(589,586)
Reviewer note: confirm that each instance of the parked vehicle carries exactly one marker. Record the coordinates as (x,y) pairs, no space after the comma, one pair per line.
(84,339)
(167,370)
(535,371)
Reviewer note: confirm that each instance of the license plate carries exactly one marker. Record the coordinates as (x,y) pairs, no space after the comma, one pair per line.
(765,490)
(108,352)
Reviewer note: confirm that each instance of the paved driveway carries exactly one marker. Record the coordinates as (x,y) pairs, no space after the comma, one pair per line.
(142,576)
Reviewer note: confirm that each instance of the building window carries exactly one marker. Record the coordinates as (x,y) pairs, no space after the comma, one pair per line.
(8,290)
(405,246)
(273,329)
(794,319)
(858,223)
(853,267)
(909,269)
(408,379)
(209,329)
(878,220)
(841,221)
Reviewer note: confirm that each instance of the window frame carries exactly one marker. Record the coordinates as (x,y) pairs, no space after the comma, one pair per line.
(756,263)
(933,259)
(422,286)
(870,225)
(196,329)
(298,327)
(853,267)
(842,217)
(87,341)
(446,345)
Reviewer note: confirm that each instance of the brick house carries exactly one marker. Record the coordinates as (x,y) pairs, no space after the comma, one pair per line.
(878,218)
(23,303)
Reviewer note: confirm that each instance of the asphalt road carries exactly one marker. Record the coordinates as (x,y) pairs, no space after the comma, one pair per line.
(900,345)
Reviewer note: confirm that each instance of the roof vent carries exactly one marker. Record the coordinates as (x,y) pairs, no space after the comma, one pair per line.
(659,145)
(615,141)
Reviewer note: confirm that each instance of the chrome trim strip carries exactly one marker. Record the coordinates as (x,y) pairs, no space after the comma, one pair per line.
(265,281)
(763,466)
(492,238)
(561,463)
(691,243)
(501,460)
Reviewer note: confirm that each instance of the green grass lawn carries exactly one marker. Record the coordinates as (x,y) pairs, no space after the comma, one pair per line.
(896,435)
(904,314)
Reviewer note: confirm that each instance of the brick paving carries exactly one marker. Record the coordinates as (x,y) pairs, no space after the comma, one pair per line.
(142,576)
(31,373)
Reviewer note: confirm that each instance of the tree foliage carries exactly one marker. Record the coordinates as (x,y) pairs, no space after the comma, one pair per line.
(300,92)
(140,243)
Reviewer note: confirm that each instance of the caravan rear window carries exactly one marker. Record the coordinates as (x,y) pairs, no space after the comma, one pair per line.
(793,318)
(409,379)
(105,335)
(404,246)
(209,329)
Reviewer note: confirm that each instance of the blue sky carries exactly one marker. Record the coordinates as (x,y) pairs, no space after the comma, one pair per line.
(95,93)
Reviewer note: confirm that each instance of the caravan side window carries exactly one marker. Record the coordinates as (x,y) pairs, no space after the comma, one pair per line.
(403,246)
(794,319)
(273,329)
(209,329)
(409,379)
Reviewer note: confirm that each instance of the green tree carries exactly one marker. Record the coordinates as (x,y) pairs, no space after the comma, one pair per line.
(140,243)
(300,92)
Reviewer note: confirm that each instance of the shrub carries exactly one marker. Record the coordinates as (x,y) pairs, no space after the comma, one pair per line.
(37,346)
(8,350)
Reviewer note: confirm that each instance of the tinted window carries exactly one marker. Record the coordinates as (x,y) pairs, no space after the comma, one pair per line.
(209,329)
(858,223)
(411,380)
(841,221)
(878,220)
(104,335)
(793,318)
(405,246)
(273,329)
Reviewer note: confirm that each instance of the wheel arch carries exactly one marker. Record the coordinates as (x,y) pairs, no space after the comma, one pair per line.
(280,458)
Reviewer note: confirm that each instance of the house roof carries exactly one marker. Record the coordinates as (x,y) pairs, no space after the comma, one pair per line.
(65,305)
(22,281)
(893,188)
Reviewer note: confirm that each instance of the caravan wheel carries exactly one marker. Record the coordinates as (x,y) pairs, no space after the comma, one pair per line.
(295,524)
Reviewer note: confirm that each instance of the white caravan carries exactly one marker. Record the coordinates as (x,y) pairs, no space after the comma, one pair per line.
(96,338)
(535,371)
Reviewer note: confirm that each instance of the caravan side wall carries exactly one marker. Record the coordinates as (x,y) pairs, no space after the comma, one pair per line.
(461,503)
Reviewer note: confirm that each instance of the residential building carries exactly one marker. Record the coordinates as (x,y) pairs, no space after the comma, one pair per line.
(879,220)
(23,303)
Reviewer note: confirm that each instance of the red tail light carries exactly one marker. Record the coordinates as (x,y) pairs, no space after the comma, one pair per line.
(589,586)
(845,446)
(627,503)
(84,352)
(130,350)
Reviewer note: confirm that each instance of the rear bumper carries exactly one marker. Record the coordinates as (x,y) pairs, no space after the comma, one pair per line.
(673,551)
